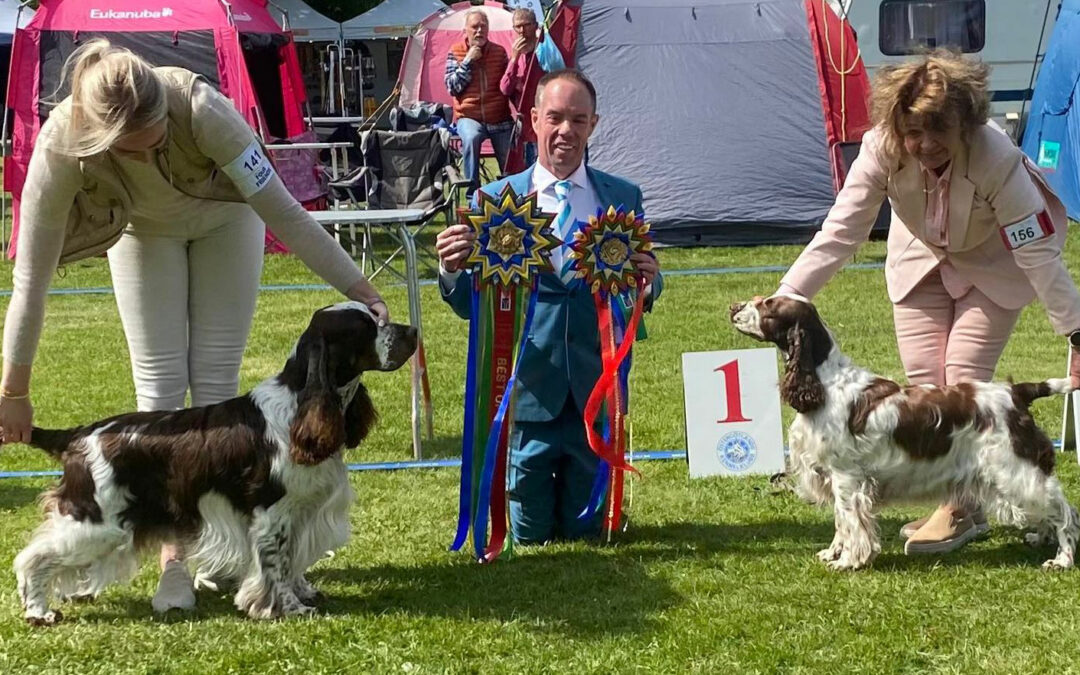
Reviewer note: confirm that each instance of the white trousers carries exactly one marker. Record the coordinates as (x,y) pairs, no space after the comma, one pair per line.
(186,294)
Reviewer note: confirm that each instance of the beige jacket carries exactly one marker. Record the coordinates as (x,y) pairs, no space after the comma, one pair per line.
(72,208)
(992,185)
(102,205)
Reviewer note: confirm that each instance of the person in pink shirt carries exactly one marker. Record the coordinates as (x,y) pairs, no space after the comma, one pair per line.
(532,55)
(976,235)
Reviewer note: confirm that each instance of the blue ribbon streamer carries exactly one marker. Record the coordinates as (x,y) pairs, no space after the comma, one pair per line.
(599,490)
(465,498)
(483,500)
(624,368)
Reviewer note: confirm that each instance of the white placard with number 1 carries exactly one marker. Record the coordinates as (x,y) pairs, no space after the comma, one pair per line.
(733,424)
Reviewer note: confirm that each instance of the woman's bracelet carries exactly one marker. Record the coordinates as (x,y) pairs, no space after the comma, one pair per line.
(11,396)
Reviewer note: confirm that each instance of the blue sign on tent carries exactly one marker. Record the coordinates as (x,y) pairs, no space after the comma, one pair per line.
(1052,133)
(1049,153)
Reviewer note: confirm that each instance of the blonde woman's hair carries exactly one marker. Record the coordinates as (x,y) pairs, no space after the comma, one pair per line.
(942,88)
(113,92)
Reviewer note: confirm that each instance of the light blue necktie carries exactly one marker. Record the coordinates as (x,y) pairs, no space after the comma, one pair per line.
(564,263)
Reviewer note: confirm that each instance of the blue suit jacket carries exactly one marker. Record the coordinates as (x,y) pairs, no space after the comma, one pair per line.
(562,353)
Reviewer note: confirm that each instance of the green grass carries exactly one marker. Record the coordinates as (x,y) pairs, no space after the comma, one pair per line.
(713,576)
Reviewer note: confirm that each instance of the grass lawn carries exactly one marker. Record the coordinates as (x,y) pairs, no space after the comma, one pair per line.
(713,576)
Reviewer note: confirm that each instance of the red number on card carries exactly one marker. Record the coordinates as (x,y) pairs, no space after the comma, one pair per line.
(733,393)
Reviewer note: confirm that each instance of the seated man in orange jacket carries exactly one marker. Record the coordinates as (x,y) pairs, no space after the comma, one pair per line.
(474,68)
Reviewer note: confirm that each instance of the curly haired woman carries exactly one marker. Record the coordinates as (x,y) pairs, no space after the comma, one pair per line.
(976,234)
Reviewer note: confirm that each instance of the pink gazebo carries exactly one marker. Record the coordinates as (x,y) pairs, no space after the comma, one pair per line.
(423,67)
(236,45)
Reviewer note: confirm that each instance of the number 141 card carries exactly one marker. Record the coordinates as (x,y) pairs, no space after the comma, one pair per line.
(733,423)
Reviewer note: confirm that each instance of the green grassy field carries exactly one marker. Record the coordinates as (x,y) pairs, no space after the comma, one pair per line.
(713,575)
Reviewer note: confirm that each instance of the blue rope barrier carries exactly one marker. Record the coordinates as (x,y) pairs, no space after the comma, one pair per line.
(701,271)
(449,463)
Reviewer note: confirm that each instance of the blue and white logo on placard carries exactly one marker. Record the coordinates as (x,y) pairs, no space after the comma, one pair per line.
(737,451)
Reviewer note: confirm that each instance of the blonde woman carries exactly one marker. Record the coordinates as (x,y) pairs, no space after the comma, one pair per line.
(158,168)
(976,234)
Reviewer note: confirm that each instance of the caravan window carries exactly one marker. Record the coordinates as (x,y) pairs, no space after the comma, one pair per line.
(908,26)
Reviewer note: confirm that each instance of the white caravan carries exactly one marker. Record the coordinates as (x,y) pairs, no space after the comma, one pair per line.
(1010,35)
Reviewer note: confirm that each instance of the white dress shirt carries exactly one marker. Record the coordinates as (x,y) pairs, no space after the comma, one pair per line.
(583,202)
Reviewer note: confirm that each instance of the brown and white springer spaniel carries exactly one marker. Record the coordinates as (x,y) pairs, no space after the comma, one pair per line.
(859,440)
(256,486)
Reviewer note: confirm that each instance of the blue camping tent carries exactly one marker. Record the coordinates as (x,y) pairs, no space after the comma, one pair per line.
(1052,136)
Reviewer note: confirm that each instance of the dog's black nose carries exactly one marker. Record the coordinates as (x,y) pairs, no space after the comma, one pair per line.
(736,307)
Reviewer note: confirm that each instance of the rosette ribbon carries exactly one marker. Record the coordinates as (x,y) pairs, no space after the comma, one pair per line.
(602,249)
(513,244)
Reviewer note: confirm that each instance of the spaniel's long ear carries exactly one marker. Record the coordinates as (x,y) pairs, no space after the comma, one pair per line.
(800,387)
(318,429)
(360,417)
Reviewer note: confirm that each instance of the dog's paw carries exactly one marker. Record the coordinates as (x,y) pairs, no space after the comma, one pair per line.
(307,593)
(830,554)
(292,606)
(847,564)
(1063,561)
(47,618)
(299,610)
(79,598)
(288,604)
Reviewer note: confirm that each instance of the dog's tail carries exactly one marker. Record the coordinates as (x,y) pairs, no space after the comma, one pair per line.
(1029,391)
(52,441)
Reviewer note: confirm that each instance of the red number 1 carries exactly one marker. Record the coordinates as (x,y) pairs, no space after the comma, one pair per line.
(733,392)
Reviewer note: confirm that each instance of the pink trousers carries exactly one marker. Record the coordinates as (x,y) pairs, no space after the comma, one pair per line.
(943,340)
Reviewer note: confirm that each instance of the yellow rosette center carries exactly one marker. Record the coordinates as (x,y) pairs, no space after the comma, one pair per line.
(614,252)
(507,240)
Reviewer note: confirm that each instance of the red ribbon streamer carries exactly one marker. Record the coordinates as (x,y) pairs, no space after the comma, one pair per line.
(502,356)
(616,477)
(612,451)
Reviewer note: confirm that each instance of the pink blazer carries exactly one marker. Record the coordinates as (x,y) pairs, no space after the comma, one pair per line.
(993,185)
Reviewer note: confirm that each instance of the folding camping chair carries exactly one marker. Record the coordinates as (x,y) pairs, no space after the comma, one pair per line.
(424,115)
(402,170)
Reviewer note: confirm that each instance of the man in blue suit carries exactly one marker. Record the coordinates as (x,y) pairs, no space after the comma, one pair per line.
(551,466)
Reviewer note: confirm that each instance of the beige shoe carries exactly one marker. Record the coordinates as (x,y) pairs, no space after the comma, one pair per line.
(175,589)
(979,518)
(942,533)
(911,528)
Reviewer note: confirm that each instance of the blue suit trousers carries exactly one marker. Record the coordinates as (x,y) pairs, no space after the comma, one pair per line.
(552,471)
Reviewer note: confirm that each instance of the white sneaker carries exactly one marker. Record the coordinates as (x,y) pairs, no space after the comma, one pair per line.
(175,589)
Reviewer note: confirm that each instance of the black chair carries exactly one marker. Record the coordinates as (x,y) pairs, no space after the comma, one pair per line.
(403,170)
